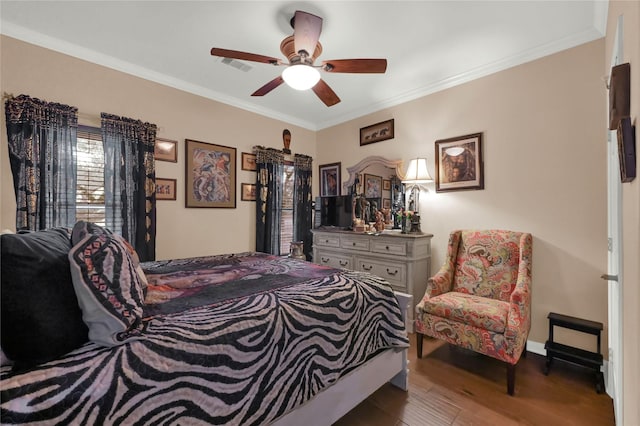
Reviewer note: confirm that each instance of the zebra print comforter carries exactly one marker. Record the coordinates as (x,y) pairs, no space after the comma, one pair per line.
(235,340)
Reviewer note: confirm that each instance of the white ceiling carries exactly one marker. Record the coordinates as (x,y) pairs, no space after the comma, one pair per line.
(429,45)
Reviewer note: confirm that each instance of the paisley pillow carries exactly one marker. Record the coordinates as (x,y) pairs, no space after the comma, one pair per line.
(107,284)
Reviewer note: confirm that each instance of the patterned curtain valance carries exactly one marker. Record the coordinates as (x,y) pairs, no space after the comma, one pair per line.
(126,126)
(268,155)
(303,162)
(23,108)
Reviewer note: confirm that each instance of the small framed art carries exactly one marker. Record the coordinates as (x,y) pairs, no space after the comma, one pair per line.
(166,150)
(459,163)
(249,162)
(330,179)
(165,189)
(377,132)
(210,175)
(248,192)
(372,186)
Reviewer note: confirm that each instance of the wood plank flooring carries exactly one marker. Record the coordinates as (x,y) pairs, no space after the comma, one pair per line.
(451,386)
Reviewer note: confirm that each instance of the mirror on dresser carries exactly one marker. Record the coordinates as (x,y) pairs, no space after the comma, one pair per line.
(375,182)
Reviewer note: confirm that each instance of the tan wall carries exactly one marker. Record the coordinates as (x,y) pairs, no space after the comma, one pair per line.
(181,232)
(544,152)
(630,10)
(545,171)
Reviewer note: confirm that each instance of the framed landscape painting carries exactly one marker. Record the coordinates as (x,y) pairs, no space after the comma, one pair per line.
(210,175)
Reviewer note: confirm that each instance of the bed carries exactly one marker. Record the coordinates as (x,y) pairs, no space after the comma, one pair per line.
(244,338)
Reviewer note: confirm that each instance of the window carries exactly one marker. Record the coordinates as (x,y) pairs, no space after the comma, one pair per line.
(90,179)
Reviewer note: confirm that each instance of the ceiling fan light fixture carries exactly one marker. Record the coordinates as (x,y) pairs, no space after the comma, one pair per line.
(300,76)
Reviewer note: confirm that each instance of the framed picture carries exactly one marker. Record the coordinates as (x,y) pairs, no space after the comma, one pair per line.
(330,179)
(372,186)
(459,163)
(210,175)
(249,161)
(377,132)
(386,185)
(166,150)
(165,189)
(248,191)
(386,203)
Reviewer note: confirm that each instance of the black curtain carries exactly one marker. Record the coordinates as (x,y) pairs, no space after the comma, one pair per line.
(42,153)
(129,177)
(270,167)
(302,210)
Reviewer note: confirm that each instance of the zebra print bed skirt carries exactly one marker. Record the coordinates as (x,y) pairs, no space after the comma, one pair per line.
(215,352)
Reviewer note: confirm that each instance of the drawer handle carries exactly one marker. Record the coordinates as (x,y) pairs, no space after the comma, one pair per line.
(343,263)
(325,259)
(392,273)
(387,247)
(367,269)
(353,244)
(326,241)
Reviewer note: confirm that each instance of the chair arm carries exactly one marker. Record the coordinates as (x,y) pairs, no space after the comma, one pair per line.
(519,318)
(441,282)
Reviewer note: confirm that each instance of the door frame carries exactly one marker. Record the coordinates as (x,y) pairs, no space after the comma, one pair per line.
(614,253)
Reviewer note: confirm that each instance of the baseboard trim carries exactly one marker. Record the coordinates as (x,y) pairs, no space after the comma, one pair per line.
(536,348)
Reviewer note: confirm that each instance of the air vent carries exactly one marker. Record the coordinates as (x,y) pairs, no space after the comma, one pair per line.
(236,64)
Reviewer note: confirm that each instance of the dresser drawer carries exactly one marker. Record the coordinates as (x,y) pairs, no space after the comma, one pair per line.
(327,240)
(334,260)
(395,273)
(352,243)
(389,247)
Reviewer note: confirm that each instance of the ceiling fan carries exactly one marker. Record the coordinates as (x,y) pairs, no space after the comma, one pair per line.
(301,49)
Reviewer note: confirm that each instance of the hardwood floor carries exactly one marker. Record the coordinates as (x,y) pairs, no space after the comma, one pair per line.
(451,386)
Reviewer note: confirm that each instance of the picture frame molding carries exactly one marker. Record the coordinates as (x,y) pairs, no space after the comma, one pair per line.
(323,169)
(472,143)
(371,134)
(191,146)
(172,191)
(169,154)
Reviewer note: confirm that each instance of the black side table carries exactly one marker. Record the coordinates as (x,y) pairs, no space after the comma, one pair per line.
(578,356)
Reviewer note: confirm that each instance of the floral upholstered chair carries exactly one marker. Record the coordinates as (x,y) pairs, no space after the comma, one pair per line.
(481,297)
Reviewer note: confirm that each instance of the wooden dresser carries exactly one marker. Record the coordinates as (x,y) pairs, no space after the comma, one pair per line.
(402,259)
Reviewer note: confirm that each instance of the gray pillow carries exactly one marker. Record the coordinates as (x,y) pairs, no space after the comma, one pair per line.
(107,285)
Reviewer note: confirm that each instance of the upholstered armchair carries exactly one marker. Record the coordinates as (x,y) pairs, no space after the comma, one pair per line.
(481,297)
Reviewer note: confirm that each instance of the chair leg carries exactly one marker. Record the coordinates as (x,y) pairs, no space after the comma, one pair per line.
(524,351)
(419,338)
(511,378)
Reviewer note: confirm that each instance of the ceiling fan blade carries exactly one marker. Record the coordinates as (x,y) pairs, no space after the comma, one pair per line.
(306,31)
(268,87)
(355,65)
(235,54)
(325,93)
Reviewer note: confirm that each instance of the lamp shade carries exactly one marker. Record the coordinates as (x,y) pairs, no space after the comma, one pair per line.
(417,172)
(301,77)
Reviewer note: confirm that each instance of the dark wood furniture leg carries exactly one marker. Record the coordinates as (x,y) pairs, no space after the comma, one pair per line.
(511,378)
(419,337)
